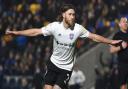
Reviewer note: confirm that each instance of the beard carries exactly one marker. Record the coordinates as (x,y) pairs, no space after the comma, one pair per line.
(70,23)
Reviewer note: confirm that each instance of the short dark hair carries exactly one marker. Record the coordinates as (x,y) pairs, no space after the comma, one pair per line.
(63,9)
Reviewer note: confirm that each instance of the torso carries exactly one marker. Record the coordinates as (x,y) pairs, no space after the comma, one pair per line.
(122,55)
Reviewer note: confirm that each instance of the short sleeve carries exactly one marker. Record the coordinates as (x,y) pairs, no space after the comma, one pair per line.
(84,32)
(48,30)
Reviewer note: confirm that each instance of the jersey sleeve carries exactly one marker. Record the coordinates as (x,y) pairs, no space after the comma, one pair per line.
(48,30)
(84,32)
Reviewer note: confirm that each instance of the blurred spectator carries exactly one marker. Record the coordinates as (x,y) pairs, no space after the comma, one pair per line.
(77,79)
(24,83)
(9,63)
(21,42)
(38,79)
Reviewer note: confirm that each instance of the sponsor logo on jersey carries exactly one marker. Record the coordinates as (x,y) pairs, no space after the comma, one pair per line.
(64,44)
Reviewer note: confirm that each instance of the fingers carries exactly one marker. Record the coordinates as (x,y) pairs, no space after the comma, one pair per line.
(8,32)
(116,41)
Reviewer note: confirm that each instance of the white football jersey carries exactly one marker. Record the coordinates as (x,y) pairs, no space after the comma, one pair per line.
(64,43)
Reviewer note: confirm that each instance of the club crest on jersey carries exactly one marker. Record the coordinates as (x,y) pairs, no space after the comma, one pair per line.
(71,36)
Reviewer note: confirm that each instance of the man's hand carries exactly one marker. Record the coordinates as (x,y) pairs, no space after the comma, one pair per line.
(115,42)
(118,47)
(124,44)
(120,43)
(11,32)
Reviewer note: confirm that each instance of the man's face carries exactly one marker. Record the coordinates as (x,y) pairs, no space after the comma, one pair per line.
(69,17)
(123,23)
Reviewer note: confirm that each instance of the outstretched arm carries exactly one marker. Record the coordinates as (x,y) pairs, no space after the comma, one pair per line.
(28,32)
(102,39)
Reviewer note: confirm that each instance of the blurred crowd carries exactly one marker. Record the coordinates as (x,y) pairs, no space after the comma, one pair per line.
(26,56)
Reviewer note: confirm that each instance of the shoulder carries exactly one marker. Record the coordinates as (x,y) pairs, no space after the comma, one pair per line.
(78,25)
(80,28)
(55,23)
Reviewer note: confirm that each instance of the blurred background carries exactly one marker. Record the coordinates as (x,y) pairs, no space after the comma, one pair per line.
(23,59)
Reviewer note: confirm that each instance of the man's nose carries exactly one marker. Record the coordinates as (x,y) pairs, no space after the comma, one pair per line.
(72,16)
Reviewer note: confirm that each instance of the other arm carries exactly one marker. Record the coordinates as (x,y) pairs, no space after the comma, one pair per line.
(102,39)
(28,32)
(46,31)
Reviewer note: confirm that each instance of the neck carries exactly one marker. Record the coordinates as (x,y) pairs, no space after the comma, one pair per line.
(65,25)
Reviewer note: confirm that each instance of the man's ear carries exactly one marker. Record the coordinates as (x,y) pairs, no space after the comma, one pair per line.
(119,24)
(63,14)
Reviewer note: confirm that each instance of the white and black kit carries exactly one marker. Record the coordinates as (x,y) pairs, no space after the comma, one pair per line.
(63,57)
